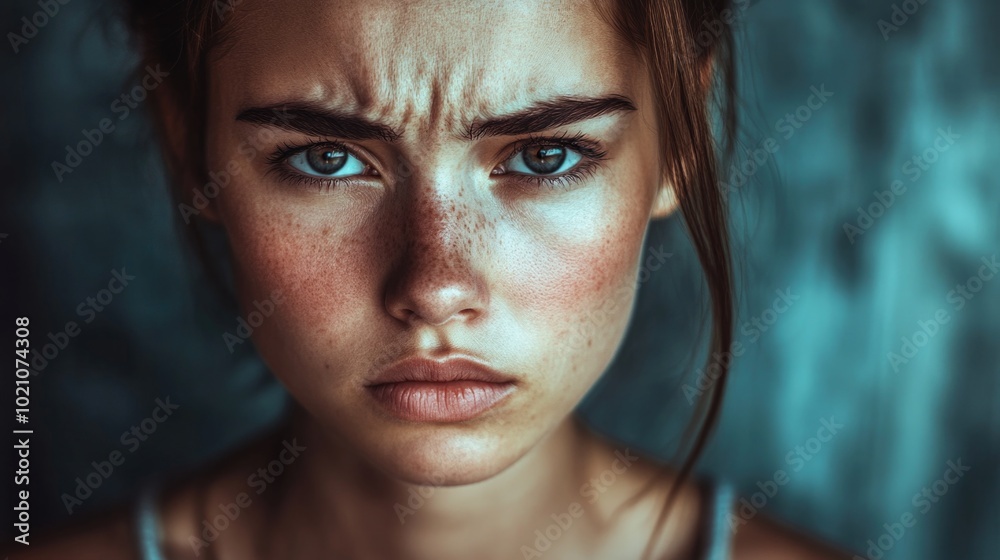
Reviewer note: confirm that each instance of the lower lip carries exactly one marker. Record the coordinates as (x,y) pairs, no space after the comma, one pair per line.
(452,401)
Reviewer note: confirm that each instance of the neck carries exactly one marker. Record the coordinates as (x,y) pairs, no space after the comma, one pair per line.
(336,501)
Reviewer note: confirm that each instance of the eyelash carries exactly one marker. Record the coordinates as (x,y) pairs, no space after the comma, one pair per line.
(278,162)
(590,150)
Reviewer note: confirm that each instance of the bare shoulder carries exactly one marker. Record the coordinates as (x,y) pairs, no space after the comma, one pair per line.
(626,491)
(766,539)
(628,474)
(108,537)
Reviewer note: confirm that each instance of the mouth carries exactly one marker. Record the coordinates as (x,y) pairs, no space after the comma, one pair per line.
(453,390)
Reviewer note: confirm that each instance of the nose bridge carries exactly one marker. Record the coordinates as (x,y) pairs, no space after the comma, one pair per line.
(437,232)
(438,277)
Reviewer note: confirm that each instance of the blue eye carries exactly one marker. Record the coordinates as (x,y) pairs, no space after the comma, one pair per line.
(328,161)
(544,159)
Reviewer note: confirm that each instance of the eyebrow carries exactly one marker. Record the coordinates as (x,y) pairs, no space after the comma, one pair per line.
(320,121)
(553,113)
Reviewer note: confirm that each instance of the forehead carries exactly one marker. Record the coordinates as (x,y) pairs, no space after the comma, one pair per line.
(443,60)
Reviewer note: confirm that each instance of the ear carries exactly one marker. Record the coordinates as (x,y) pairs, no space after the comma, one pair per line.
(666,201)
(190,187)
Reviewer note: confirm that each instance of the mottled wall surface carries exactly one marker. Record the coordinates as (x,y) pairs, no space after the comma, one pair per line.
(858,281)
(850,251)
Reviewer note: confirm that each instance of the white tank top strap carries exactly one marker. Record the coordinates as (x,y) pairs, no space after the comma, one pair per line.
(147,523)
(717,533)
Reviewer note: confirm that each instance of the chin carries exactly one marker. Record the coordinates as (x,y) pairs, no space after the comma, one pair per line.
(446,455)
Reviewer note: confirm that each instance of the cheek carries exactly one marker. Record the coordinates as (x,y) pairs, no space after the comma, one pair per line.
(575,278)
(577,261)
(321,263)
(282,251)
(567,279)
(559,271)
(303,248)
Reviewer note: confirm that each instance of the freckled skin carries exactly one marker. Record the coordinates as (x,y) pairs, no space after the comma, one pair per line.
(433,254)
(445,258)
(436,255)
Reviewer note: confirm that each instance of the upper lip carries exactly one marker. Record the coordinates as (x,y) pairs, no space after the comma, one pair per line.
(439,371)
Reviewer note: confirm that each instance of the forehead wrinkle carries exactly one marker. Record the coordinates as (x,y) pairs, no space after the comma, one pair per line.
(445,87)
(404,74)
(439,87)
(419,94)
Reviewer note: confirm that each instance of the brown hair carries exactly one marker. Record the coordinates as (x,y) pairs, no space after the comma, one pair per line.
(687,46)
(688,50)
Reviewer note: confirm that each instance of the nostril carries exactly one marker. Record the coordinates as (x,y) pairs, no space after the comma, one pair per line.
(434,306)
(436,284)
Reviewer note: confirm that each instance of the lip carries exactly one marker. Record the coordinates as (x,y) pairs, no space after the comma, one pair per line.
(451,390)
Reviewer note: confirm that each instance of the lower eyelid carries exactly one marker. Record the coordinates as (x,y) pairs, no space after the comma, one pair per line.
(582,171)
(591,156)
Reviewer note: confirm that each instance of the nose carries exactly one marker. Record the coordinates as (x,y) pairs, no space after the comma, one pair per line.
(438,278)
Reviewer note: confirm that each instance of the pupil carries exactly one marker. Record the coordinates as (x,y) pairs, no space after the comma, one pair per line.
(326,160)
(546,159)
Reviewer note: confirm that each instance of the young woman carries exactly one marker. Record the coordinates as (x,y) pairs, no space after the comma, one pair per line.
(430,199)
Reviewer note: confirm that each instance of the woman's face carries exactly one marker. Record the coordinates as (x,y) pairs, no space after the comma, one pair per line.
(429,185)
